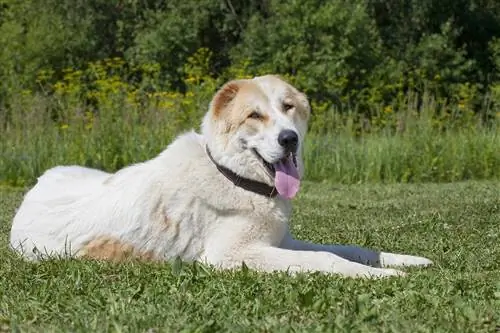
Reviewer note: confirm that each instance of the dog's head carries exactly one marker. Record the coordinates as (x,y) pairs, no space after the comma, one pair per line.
(256,128)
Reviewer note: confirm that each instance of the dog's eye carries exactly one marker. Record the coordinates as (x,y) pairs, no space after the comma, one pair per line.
(255,115)
(287,106)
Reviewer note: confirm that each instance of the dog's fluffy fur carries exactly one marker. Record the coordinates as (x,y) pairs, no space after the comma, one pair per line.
(179,204)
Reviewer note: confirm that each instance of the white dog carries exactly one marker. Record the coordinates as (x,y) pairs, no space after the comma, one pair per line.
(222,197)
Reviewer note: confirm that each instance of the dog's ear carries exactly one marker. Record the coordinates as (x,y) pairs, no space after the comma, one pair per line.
(225,96)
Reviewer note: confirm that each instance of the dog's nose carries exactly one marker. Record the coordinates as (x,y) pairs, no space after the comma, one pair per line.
(289,140)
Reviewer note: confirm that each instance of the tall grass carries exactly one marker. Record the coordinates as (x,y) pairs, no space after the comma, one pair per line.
(422,157)
(31,141)
(413,145)
(409,142)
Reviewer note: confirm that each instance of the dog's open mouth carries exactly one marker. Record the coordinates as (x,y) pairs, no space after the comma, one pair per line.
(285,174)
(269,166)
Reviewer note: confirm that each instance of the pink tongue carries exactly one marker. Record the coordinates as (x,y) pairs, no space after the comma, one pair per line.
(287,180)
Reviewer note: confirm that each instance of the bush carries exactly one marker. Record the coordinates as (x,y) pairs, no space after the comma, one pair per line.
(330,48)
(360,52)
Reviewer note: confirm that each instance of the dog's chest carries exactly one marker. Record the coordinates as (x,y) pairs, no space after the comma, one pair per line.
(270,219)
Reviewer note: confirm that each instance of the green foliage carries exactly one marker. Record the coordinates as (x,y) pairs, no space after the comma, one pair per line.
(38,35)
(456,225)
(172,32)
(361,52)
(55,35)
(329,47)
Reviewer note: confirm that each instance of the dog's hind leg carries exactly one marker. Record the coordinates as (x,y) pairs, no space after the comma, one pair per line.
(357,254)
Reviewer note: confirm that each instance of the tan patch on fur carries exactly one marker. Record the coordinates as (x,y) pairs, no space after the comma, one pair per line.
(235,102)
(158,215)
(112,249)
(265,119)
(225,95)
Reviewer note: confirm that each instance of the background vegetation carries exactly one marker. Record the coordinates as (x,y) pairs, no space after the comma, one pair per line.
(402,90)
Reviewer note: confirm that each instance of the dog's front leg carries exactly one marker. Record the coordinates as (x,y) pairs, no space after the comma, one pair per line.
(269,259)
(357,254)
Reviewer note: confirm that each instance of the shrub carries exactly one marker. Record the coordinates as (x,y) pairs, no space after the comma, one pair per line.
(361,52)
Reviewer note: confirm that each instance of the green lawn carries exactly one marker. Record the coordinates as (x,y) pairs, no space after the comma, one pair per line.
(456,225)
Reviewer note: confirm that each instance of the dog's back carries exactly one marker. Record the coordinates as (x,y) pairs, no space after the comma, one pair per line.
(65,183)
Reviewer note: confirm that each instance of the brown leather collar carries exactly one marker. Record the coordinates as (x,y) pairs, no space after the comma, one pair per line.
(245,183)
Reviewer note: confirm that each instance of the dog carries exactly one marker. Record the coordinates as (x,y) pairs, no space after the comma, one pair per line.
(221,196)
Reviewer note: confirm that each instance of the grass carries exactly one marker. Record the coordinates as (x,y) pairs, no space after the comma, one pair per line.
(456,225)
(411,157)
